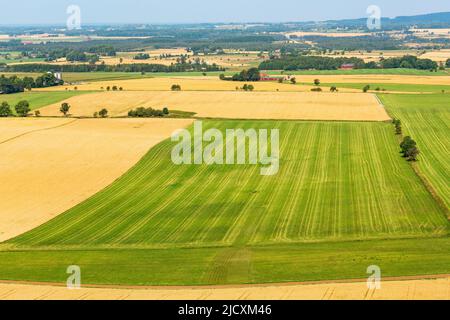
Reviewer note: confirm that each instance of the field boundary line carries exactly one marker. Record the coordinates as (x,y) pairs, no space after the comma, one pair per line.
(431,190)
(230,286)
(382,105)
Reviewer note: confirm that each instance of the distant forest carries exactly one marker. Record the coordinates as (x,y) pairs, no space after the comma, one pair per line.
(301,62)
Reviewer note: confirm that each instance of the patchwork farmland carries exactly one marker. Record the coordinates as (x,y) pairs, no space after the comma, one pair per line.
(88,176)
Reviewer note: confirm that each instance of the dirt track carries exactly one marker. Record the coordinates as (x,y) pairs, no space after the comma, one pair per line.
(47,171)
(436,289)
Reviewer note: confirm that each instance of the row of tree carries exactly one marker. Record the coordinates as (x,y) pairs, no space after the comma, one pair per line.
(251,74)
(22,109)
(408,146)
(142,112)
(15,84)
(142,56)
(133,67)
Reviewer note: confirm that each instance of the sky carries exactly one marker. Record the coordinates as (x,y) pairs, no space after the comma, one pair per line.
(195,11)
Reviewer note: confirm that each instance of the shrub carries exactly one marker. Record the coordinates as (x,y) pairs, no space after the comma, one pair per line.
(103,113)
(142,112)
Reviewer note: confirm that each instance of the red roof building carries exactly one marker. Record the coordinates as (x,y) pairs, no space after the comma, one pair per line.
(348,66)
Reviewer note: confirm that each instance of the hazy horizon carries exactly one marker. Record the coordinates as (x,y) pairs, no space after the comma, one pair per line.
(53,12)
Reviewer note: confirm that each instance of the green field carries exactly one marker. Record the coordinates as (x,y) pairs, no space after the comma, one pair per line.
(231,265)
(400,71)
(39,99)
(396,87)
(104,76)
(337,181)
(427,119)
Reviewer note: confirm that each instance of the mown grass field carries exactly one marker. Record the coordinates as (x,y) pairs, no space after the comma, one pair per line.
(399,71)
(39,99)
(427,119)
(232,265)
(337,181)
(400,87)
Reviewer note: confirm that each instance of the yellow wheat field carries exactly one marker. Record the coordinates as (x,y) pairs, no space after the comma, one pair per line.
(234,105)
(431,33)
(434,289)
(438,55)
(61,162)
(187,84)
(374,56)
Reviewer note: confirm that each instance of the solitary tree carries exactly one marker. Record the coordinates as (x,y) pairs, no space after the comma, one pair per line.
(317,82)
(366,88)
(333,89)
(166,111)
(5,110)
(23,108)
(293,80)
(65,107)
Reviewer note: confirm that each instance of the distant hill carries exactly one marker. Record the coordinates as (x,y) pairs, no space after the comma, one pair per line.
(431,20)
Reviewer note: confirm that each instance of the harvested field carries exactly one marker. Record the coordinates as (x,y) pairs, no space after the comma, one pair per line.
(11,128)
(235,105)
(438,55)
(426,289)
(367,56)
(73,159)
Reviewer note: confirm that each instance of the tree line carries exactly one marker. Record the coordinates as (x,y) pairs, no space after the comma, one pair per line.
(408,147)
(15,84)
(22,109)
(143,112)
(251,74)
(302,62)
(134,67)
